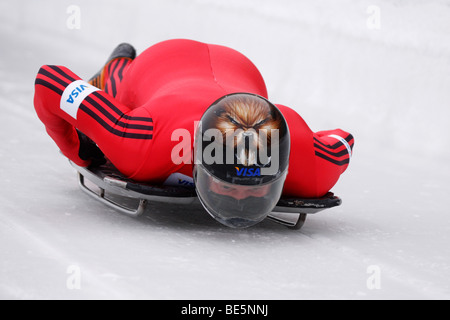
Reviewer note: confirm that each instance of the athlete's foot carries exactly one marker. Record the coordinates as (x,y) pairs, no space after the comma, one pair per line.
(123,51)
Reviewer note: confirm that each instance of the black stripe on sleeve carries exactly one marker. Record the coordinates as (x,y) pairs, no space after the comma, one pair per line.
(335,154)
(117,110)
(349,138)
(339,163)
(49,85)
(117,120)
(53,77)
(108,103)
(109,128)
(62,73)
(336,145)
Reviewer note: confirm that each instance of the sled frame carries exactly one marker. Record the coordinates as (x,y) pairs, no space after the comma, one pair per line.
(291,213)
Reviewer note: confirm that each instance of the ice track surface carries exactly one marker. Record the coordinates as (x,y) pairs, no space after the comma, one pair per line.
(389,87)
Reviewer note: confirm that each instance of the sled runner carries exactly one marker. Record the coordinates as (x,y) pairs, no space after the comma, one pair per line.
(114,187)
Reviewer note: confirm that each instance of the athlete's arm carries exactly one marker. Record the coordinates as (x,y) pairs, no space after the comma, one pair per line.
(317,159)
(65,103)
(335,146)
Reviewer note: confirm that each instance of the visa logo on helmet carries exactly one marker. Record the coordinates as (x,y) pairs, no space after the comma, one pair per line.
(248,172)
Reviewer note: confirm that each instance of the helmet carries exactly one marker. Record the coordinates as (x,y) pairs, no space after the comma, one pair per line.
(241,158)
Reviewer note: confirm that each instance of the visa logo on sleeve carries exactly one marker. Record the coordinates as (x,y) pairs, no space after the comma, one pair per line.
(74,95)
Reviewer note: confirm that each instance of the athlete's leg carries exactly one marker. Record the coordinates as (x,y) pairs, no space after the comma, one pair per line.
(110,76)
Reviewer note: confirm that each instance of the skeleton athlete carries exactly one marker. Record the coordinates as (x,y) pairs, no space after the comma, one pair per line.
(138,112)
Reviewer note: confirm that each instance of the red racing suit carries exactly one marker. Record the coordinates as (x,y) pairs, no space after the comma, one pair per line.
(168,87)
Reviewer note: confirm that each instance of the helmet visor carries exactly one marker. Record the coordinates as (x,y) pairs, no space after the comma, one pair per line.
(237,206)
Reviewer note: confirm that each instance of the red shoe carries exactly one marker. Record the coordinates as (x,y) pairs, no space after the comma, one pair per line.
(121,57)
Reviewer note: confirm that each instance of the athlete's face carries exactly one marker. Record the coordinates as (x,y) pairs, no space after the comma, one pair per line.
(239,193)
